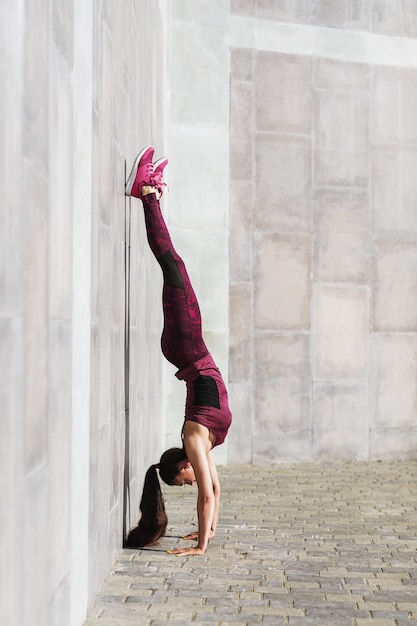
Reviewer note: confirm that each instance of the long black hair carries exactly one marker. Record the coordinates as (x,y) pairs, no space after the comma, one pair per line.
(153,522)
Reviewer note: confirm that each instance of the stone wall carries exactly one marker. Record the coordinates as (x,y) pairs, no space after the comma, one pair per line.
(323,246)
(83,91)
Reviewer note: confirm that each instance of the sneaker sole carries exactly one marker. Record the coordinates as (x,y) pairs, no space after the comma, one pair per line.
(159,161)
(132,175)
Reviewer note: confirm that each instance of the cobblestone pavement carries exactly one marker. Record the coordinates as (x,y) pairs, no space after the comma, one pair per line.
(311,544)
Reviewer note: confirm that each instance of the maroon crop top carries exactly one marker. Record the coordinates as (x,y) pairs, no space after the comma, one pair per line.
(206,401)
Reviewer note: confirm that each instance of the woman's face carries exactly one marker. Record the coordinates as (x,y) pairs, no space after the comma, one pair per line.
(186,475)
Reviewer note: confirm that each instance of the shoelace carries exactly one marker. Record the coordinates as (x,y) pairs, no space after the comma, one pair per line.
(149,174)
(156,180)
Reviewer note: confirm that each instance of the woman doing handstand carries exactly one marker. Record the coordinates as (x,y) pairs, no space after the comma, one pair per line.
(207,414)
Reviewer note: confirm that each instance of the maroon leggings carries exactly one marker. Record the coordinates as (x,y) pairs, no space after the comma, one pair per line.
(182,341)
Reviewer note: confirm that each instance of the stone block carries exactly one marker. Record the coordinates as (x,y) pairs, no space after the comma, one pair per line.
(59,453)
(36,84)
(11,400)
(60,188)
(242,7)
(341,236)
(283,93)
(241,112)
(341,121)
(199,158)
(395,285)
(392,443)
(35,385)
(385,105)
(340,76)
(59,603)
(199,11)
(240,433)
(386,190)
(240,332)
(394,376)
(394,17)
(341,324)
(341,168)
(63,29)
(281,447)
(282,282)
(241,161)
(349,15)
(209,273)
(11,188)
(283,184)
(408,113)
(241,63)
(294,11)
(341,421)
(409,189)
(241,227)
(34,542)
(341,138)
(200,88)
(282,383)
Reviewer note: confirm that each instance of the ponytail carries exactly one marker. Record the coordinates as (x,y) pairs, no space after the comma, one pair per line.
(154,520)
(153,523)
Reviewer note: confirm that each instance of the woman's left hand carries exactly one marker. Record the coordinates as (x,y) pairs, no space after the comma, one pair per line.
(187,551)
(194,536)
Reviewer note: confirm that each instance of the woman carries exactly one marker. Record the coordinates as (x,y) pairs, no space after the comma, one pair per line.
(207,414)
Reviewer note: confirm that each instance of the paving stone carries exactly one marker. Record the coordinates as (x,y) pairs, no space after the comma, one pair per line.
(310,545)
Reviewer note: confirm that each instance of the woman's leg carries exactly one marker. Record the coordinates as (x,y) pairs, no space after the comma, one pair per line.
(182,342)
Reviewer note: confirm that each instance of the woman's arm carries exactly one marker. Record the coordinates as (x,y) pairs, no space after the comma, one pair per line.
(197,446)
(216,493)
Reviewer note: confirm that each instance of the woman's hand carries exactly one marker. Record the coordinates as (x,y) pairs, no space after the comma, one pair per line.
(187,551)
(194,536)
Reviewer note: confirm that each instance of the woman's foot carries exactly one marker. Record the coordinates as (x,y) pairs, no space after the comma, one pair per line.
(142,173)
(158,173)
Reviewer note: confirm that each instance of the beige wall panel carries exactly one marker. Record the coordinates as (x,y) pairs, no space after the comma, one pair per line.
(282,282)
(350,14)
(241,226)
(394,380)
(385,105)
(386,190)
(341,236)
(341,326)
(240,434)
(273,446)
(337,76)
(283,183)
(395,286)
(282,383)
(282,93)
(394,17)
(340,421)
(298,11)
(393,443)
(240,332)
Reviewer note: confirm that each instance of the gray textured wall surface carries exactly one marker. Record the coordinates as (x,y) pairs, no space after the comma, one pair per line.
(82,93)
(323,211)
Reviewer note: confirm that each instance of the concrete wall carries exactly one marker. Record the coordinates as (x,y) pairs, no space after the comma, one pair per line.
(323,211)
(198,176)
(83,90)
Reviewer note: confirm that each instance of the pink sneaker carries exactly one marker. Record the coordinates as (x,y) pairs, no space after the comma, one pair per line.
(141,174)
(158,172)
